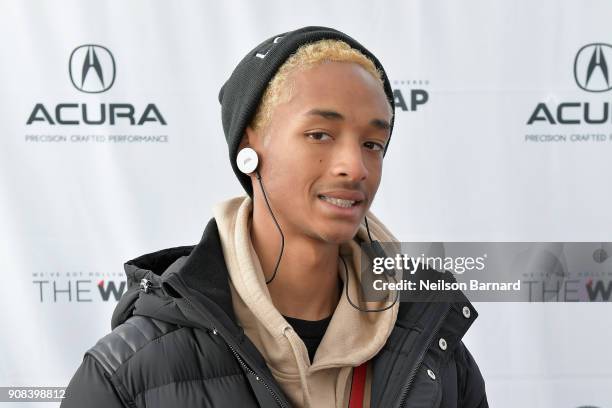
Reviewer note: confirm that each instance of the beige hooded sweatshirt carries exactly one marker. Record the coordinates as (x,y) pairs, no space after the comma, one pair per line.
(352,337)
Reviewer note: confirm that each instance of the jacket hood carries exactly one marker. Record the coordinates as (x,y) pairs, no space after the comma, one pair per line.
(200,268)
(155,302)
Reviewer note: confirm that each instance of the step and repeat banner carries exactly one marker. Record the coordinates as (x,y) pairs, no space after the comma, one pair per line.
(111,146)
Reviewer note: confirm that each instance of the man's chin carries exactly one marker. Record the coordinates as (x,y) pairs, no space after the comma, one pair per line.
(338,235)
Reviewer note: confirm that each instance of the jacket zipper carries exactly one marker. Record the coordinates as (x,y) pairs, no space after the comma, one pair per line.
(420,359)
(246,367)
(241,361)
(145,285)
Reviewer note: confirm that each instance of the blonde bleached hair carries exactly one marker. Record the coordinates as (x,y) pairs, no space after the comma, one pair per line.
(307,56)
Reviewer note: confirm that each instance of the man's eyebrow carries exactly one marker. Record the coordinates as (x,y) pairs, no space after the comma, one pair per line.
(333,115)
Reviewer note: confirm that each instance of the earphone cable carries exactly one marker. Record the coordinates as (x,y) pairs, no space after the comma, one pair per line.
(346,273)
(282,248)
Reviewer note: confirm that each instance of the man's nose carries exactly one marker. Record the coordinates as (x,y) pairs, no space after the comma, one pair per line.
(349,162)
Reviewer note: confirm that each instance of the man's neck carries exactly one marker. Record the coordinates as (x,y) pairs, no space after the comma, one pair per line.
(306,283)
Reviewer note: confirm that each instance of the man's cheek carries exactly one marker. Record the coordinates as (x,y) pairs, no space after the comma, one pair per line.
(288,195)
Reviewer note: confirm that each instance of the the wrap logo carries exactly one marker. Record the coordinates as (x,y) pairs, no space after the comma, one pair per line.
(591,68)
(92,68)
(78,290)
(409,95)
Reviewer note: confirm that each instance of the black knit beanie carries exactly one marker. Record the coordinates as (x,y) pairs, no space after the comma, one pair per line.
(241,93)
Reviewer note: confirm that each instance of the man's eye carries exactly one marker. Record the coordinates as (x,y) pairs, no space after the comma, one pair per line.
(318,136)
(374,146)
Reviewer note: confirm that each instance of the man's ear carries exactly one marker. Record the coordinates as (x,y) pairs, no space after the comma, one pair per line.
(244,142)
(250,139)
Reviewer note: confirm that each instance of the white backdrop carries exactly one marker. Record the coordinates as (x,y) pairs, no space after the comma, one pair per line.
(464,164)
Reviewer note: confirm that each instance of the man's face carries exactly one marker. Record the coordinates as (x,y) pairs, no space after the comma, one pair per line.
(321,155)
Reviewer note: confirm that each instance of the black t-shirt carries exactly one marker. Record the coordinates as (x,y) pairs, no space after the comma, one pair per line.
(310,331)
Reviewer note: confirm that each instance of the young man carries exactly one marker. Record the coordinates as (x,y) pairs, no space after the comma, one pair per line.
(262,312)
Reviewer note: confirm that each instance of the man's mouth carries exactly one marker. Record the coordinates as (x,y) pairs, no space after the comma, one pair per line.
(339,202)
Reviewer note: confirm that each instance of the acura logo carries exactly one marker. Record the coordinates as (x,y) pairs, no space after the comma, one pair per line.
(591,69)
(92,68)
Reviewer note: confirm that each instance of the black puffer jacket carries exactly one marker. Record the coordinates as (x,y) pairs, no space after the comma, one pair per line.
(175,343)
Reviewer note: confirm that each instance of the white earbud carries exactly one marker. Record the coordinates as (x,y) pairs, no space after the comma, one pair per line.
(247,160)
